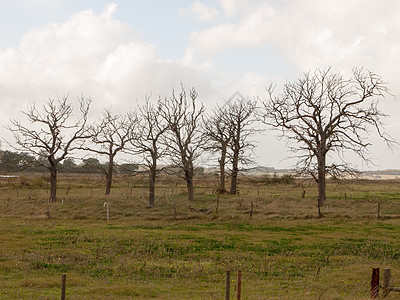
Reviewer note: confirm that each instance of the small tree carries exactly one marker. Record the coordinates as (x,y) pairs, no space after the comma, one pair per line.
(324,113)
(147,142)
(240,116)
(111,136)
(218,134)
(51,135)
(185,139)
(69,165)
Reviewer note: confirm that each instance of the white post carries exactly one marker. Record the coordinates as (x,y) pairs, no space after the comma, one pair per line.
(108,211)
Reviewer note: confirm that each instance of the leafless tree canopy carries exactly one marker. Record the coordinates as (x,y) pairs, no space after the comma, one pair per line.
(324,113)
(110,136)
(51,134)
(218,134)
(148,141)
(240,116)
(185,139)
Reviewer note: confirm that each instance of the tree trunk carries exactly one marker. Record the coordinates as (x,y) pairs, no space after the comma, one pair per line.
(189,172)
(235,171)
(222,172)
(189,183)
(53,183)
(321,182)
(152,184)
(109,174)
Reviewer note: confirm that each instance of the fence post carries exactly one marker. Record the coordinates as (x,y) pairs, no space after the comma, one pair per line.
(379,210)
(63,285)
(107,210)
(386,282)
(375,283)
(239,284)
(227,285)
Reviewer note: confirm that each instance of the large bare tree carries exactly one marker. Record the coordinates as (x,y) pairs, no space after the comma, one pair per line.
(110,136)
(323,113)
(218,135)
(148,141)
(240,115)
(51,134)
(185,139)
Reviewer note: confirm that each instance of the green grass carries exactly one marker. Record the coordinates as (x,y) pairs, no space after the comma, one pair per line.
(284,251)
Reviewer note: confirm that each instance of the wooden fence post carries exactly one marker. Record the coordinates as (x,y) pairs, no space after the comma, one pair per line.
(239,284)
(227,285)
(386,282)
(375,283)
(379,210)
(251,209)
(63,285)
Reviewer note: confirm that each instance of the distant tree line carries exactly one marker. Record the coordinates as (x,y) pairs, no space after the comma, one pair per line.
(12,162)
(319,115)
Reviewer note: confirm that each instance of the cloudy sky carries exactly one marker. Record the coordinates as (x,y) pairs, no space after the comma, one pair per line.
(117,52)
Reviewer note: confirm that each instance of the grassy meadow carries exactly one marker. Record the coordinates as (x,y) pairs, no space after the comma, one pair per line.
(181,250)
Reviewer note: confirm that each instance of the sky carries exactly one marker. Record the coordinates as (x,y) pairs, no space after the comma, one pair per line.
(118,52)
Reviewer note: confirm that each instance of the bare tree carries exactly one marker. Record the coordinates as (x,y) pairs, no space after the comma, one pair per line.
(50,134)
(110,136)
(148,142)
(240,115)
(218,134)
(185,139)
(324,113)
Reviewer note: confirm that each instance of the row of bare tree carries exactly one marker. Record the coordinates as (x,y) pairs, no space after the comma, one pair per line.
(322,113)
(174,128)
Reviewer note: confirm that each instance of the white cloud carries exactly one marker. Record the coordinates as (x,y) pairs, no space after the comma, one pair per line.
(92,54)
(198,11)
(251,31)
(234,7)
(311,33)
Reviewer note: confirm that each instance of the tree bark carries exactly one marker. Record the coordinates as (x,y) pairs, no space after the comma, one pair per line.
(235,171)
(321,182)
(189,182)
(109,174)
(152,183)
(53,183)
(222,189)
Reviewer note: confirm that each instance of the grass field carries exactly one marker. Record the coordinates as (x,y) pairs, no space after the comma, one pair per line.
(283,250)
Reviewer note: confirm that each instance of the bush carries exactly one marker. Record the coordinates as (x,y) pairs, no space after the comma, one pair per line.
(284,179)
(34,182)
